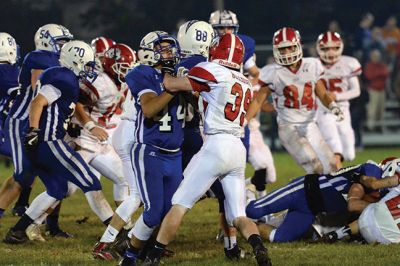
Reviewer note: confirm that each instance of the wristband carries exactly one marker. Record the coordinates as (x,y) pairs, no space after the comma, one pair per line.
(89,125)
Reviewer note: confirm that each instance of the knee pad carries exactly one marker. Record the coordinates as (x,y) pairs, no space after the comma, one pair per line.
(120,191)
(128,207)
(141,230)
(258,179)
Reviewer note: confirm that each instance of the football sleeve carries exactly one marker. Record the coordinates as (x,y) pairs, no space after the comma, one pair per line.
(355,67)
(88,93)
(266,77)
(50,92)
(200,76)
(139,82)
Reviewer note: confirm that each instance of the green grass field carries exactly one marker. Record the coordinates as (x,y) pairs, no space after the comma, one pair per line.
(195,243)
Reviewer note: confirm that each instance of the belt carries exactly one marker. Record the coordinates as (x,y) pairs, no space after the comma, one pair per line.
(167,152)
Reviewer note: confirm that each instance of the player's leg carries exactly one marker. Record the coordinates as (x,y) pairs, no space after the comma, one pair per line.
(261,159)
(199,175)
(299,148)
(73,168)
(327,125)
(109,165)
(278,200)
(148,165)
(235,200)
(321,148)
(347,138)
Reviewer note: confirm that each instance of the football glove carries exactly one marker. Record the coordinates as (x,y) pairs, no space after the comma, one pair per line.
(31,139)
(74,130)
(336,111)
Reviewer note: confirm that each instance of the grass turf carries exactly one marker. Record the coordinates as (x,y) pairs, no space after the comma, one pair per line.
(195,243)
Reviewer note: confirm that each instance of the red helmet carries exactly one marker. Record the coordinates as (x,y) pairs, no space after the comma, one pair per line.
(227,50)
(287,37)
(99,46)
(329,40)
(118,60)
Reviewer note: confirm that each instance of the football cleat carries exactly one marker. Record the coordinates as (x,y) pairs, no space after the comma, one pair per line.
(34,234)
(151,262)
(19,210)
(234,253)
(121,243)
(330,238)
(59,234)
(261,254)
(15,237)
(103,251)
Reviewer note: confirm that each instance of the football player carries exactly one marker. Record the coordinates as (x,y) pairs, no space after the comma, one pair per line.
(100,45)
(222,155)
(307,196)
(9,87)
(122,140)
(259,155)
(98,111)
(294,83)
(48,42)
(57,92)
(156,155)
(341,80)
(378,223)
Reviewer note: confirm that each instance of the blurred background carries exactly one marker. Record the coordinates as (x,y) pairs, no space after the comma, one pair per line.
(367,27)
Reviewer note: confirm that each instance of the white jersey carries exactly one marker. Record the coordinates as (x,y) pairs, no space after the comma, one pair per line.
(227,94)
(104,99)
(293,93)
(128,106)
(337,79)
(380,221)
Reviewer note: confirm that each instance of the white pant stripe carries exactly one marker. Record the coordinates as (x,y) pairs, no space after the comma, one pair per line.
(280,196)
(66,164)
(272,194)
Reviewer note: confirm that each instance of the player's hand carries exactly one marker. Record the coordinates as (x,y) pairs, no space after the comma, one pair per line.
(74,130)
(168,66)
(99,133)
(336,111)
(31,139)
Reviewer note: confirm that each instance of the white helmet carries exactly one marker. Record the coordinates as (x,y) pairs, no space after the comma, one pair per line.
(78,56)
(390,166)
(195,38)
(224,18)
(50,37)
(150,55)
(8,48)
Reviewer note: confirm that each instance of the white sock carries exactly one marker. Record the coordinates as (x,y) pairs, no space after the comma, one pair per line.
(109,235)
(229,242)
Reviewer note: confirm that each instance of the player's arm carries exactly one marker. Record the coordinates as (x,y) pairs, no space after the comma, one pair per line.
(267,107)
(152,103)
(326,99)
(258,102)
(322,93)
(375,184)
(88,124)
(177,84)
(35,73)
(353,91)
(355,198)
(36,110)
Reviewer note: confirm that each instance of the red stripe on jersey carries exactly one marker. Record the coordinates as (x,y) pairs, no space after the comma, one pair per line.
(92,89)
(200,72)
(199,86)
(262,83)
(357,71)
(205,105)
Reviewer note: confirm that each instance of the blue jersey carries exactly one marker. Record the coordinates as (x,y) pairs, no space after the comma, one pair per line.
(56,116)
(164,131)
(249,46)
(328,192)
(34,60)
(192,115)
(8,82)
